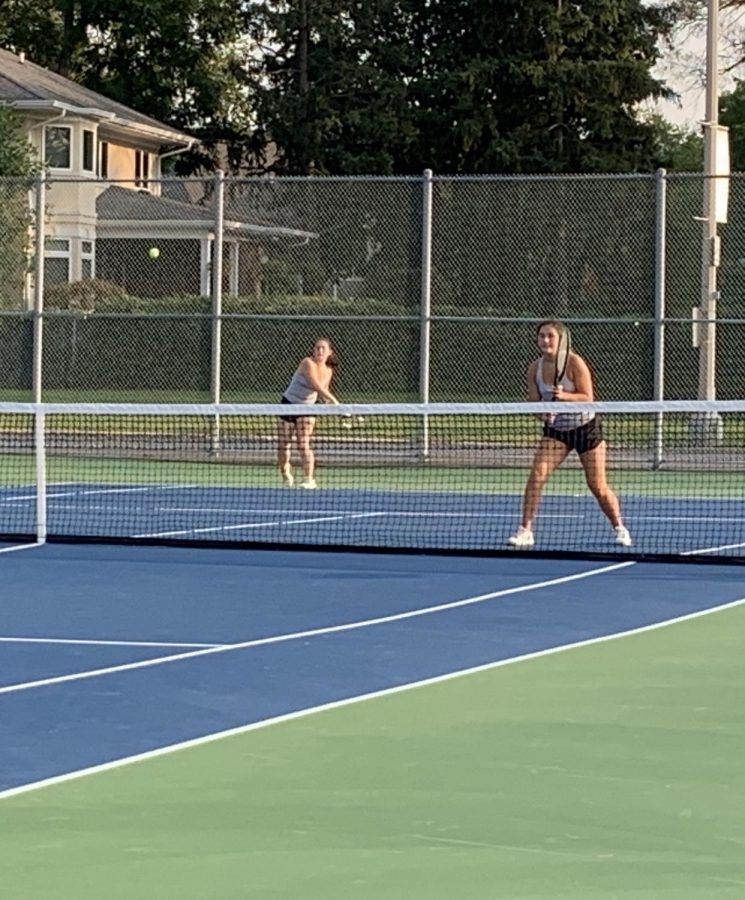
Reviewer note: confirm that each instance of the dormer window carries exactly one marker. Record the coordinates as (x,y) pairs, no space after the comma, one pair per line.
(57,143)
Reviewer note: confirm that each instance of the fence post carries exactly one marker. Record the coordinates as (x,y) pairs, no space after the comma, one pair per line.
(38,359)
(425,304)
(216,273)
(660,248)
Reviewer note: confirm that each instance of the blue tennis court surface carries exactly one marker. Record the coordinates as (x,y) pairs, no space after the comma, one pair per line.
(423,519)
(107,652)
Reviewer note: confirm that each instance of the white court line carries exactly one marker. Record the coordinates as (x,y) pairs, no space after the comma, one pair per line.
(244,526)
(313,632)
(148,488)
(346,516)
(101,643)
(54,493)
(19,547)
(79,491)
(351,701)
(705,550)
(334,513)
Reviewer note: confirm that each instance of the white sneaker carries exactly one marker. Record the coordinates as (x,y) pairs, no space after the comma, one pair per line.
(622,536)
(287,477)
(523,537)
(309,484)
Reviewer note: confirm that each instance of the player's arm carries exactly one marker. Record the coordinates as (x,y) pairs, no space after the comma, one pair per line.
(308,369)
(580,374)
(532,386)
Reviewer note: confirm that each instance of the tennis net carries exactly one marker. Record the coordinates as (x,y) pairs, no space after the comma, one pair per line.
(398,476)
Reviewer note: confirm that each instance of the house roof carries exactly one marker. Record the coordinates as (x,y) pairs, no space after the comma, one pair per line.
(121,210)
(243,198)
(26,86)
(126,204)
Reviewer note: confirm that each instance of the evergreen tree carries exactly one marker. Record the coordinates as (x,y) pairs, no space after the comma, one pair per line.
(331,89)
(372,86)
(732,115)
(459,85)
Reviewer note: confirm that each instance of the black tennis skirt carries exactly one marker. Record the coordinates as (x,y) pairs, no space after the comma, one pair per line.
(586,437)
(291,419)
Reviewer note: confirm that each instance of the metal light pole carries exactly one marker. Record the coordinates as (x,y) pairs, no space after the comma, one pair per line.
(709,425)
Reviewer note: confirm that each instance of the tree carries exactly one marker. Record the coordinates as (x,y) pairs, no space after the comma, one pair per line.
(17,165)
(545,86)
(684,59)
(371,86)
(679,149)
(330,86)
(17,157)
(179,61)
(468,86)
(732,115)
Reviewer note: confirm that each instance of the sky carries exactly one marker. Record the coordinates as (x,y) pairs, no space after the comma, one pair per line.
(683,68)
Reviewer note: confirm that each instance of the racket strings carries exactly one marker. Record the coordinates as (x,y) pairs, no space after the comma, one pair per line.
(562,356)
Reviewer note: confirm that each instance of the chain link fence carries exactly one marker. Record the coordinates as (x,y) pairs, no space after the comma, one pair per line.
(430,288)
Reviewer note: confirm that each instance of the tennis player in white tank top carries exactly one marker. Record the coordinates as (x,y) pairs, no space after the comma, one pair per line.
(565,432)
(310,383)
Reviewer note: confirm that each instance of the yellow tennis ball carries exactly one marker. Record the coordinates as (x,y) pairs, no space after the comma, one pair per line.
(153,253)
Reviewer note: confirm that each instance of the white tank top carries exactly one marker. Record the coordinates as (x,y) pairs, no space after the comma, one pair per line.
(300,390)
(562,421)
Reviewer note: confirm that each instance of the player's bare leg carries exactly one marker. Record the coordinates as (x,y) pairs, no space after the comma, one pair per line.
(303,435)
(594,464)
(549,455)
(284,450)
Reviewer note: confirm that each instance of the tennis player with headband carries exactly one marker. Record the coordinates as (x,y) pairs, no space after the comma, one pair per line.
(559,374)
(310,384)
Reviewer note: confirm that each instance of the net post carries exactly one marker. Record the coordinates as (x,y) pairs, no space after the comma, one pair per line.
(425,307)
(659,308)
(216,342)
(40,457)
(37,366)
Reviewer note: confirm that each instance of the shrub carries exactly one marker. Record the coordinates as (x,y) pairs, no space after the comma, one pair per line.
(88,295)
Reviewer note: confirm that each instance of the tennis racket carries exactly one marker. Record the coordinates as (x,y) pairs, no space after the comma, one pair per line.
(562,360)
(562,356)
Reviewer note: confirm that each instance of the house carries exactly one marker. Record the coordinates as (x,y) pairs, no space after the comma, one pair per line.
(108,206)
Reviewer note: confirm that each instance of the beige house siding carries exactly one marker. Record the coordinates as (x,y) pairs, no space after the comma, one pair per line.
(122,166)
(104,221)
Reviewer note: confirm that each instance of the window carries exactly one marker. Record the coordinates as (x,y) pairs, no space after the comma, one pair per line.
(57,146)
(103,159)
(142,168)
(87,267)
(56,261)
(88,162)
(56,271)
(54,247)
